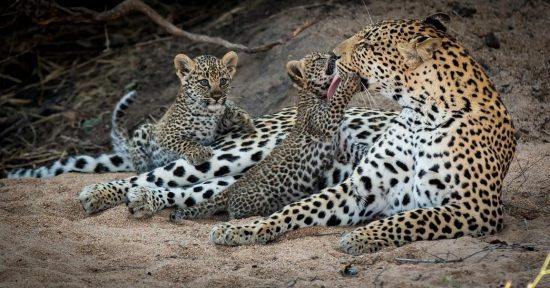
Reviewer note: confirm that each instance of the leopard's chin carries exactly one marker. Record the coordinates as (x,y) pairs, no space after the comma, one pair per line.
(215,107)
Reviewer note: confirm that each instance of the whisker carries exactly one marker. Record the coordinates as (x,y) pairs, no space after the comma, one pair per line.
(372,98)
(364,100)
(368,12)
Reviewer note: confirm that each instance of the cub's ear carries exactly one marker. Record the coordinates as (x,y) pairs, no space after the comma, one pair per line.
(439,21)
(415,53)
(230,60)
(184,65)
(295,72)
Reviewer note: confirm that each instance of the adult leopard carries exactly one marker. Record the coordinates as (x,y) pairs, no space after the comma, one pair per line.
(436,173)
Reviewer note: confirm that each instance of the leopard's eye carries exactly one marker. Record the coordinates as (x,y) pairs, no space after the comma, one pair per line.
(204,82)
(223,81)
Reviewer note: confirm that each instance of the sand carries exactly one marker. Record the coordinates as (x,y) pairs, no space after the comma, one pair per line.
(47,240)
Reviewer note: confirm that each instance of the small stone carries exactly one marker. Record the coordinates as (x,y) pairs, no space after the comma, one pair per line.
(462,10)
(349,271)
(491,40)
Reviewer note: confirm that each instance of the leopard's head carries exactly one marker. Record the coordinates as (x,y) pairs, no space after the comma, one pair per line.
(206,80)
(390,55)
(313,73)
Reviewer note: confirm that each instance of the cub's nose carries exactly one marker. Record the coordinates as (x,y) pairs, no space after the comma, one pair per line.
(216,95)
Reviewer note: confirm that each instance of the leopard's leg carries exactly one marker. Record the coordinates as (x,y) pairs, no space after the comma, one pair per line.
(450,221)
(362,197)
(98,197)
(140,147)
(145,201)
(235,116)
(334,206)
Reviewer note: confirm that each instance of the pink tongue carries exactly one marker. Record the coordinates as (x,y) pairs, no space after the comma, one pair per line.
(333,85)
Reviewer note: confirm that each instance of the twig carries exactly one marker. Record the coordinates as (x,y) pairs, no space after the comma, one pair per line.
(460,259)
(543,272)
(87,16)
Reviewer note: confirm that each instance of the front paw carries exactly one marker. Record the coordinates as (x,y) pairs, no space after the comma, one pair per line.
(94,198)
(248,125)
(199,156)
(217,234)
(360,242)
(141,203)
(231,235)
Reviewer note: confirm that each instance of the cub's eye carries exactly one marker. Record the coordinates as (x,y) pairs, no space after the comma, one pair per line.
(204,82)
(223,81)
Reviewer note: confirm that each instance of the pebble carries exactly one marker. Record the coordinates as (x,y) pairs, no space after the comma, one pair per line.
(491,40)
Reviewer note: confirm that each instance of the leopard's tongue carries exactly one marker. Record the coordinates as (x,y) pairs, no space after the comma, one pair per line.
(333,85)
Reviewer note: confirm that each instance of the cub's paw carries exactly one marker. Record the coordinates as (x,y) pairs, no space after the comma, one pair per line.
(247,123)
(199,155)
(141,202)
(360,242)
(97,197)
(180,215)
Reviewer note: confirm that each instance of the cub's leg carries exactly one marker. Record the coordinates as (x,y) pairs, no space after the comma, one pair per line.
(236,117)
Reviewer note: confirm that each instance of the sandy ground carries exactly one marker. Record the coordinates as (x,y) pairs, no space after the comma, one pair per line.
(47,240)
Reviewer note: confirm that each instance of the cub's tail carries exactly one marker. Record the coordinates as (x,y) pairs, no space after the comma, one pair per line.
(119,134)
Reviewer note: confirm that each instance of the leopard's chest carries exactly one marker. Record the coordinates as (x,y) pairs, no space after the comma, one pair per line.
(200,128)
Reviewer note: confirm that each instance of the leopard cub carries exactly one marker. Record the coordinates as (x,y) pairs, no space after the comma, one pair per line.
(294,169)
(199,114)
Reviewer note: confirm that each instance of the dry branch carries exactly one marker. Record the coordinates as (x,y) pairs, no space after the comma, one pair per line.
(439,260)
(84,15)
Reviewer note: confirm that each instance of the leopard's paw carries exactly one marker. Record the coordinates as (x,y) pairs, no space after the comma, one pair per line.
(232,235)
(360,242)
(199,156)
(217,234)
(141,202)
(95,198)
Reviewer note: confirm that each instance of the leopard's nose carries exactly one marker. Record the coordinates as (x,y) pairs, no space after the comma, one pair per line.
(216,95)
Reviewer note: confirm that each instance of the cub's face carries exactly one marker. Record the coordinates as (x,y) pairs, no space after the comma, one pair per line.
(314,72)
(207,79)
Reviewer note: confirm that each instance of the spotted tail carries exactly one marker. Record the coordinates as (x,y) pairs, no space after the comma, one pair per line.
(117,162)
(119,134)
(83,163)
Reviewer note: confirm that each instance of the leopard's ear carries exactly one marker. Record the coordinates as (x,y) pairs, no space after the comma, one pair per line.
(230,60)
(418,50)
(294,68)
(439,21)
(184,65)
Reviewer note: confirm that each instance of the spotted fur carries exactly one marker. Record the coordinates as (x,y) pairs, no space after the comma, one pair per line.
(436,172)
(293,169)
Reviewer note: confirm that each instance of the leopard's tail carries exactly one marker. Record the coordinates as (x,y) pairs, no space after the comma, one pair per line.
(116,162)
(82,163)
(119,134)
